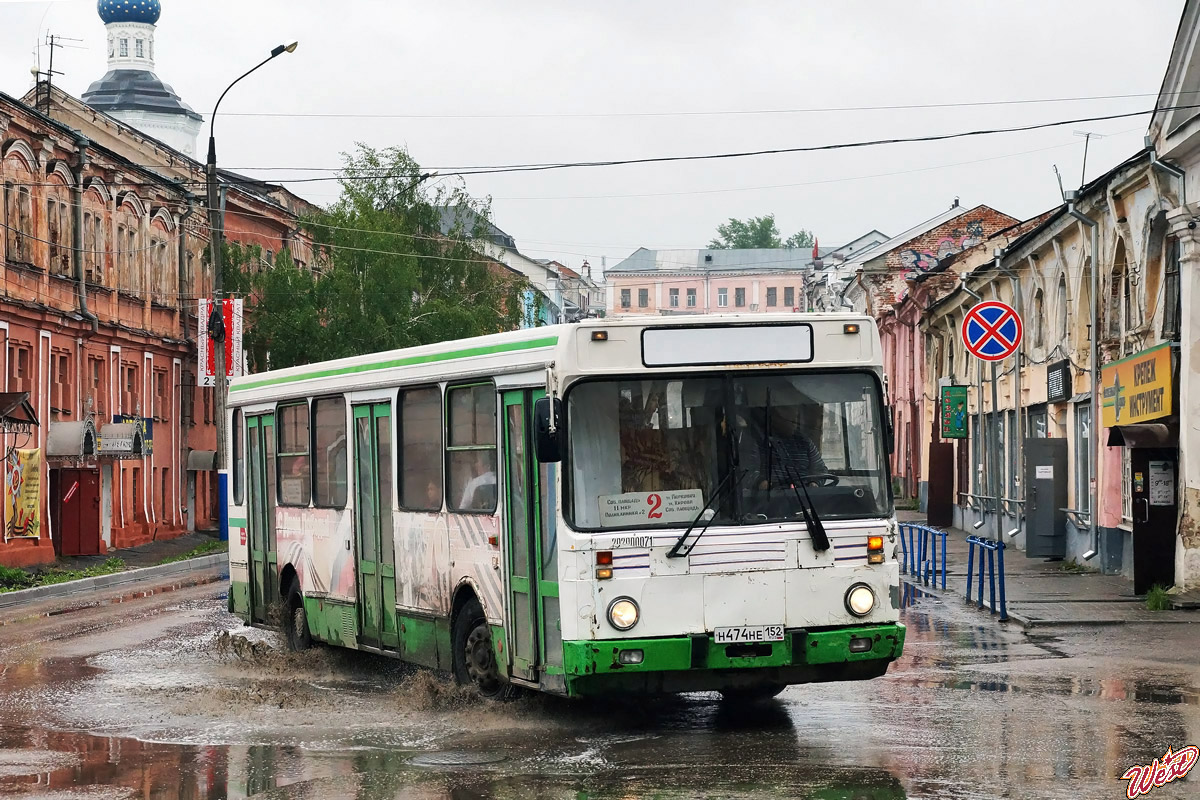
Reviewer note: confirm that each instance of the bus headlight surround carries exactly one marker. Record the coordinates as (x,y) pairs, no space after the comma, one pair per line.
(623,613)
(860,600)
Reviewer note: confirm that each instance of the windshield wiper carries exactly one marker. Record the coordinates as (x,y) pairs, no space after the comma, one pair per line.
(674,552)
(808,509)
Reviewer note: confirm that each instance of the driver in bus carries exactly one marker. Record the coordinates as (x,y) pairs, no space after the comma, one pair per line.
(788,450)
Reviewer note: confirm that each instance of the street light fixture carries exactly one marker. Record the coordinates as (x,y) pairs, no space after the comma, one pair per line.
(216,323)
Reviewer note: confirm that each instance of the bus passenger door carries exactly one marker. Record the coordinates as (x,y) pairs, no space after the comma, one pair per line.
(373,526)
(260,440)
(530,576)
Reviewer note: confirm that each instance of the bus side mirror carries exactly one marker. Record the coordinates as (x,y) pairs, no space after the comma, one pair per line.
(889,430)
(547,445)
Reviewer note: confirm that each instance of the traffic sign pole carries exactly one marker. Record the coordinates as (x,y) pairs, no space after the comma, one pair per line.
(992,331)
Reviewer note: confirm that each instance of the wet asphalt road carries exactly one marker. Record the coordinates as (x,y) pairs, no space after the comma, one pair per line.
(153,699)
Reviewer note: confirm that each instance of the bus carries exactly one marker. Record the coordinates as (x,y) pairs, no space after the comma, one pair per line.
(634,505)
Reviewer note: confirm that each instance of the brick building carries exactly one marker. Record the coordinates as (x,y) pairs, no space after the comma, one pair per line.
(102,262)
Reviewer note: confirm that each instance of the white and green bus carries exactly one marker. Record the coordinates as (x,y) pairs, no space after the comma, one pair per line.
(634,505)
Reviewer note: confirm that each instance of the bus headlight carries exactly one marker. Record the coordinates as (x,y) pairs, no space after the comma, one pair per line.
(860,600)
(623,613)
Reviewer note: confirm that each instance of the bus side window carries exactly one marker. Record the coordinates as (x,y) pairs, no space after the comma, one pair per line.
(239,468)
(471,452)
(420,456)
(329,456)
(294,474)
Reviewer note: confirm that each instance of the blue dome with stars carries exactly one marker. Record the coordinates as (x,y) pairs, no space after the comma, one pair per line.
(145,11)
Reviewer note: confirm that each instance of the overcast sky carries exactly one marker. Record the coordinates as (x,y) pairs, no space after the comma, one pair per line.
(475,83)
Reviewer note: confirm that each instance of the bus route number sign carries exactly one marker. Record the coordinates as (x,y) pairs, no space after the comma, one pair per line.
(650,508)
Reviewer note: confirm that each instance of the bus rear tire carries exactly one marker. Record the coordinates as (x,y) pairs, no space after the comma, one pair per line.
(296,622)
(474,656)
(752,694)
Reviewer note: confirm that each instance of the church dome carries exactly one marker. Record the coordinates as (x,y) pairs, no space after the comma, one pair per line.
(145,11)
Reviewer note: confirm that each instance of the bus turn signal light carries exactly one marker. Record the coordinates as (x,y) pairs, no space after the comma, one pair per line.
(604,557)
(599,336)
(874,542)
(874,549)
(850,327)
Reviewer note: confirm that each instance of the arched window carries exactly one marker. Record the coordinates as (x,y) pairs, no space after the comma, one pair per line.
(1060,310)
(1118,291)
(1038,321)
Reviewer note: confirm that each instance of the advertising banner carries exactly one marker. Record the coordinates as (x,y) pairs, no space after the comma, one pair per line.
(233,342)
(1138,388)
(23,495)
(145,425)
(954,412)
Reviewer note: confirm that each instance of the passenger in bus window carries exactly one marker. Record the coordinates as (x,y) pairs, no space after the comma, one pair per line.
(433,495)
(788,450)
(480,492)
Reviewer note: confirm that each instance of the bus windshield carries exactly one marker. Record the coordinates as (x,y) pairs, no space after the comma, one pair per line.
(650,452)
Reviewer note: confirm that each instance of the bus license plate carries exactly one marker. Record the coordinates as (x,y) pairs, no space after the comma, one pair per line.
(752,633)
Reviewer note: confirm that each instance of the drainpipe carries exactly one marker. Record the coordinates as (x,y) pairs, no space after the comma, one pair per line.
(1016,290)
(1170,169)
(1094,355)
(979,393)
(81,145)
(182,277)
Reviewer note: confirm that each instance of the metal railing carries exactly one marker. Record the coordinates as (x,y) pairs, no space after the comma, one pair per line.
(995,552)
(920,553)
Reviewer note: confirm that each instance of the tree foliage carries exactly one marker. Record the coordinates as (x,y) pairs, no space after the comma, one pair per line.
(757,232)
(383,275)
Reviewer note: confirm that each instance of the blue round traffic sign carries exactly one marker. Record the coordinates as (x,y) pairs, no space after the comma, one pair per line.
(992,331)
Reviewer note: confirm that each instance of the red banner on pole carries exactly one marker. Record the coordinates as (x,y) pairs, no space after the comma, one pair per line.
(232,312)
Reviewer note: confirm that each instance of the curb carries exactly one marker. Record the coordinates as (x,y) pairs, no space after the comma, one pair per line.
(88,602)
(178,568)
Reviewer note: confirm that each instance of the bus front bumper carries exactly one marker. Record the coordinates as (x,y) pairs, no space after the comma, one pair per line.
(697,663)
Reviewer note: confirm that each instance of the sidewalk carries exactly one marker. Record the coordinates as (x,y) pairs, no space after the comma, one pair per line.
(1042,593)
(147,555)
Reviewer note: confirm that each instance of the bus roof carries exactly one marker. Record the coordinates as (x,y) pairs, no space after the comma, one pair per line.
(517,351)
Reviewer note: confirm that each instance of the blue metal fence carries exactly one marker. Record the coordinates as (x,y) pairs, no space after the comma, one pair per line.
(919,547)
(995,552)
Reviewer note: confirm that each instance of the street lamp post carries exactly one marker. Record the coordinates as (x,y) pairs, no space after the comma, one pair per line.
(216,323)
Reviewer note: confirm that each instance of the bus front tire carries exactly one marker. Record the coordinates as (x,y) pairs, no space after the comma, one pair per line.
(298,635)
(475,656)
(752,694)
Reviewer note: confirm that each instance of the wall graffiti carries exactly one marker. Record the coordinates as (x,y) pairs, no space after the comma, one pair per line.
(957,240)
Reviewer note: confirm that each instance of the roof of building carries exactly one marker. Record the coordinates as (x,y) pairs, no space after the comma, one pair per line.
(468,221)
(643,260)
(136,90)
(144,11)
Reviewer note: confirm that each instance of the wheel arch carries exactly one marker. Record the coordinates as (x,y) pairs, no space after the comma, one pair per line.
(467,590)
(287,577)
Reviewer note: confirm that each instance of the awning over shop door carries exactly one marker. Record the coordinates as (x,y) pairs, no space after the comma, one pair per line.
(1145,434)
(201,460)
(71,440)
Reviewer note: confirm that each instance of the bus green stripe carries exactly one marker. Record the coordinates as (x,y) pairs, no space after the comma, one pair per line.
(470,352)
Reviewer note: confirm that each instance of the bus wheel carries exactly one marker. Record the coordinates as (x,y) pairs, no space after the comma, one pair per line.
(296,623)
(474,655)
(752,694)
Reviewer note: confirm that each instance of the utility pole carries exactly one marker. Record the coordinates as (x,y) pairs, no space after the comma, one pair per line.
(216,319)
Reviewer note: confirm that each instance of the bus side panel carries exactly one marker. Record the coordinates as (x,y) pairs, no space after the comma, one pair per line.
(474,558)
(239,563)
(423,563)
(318,543)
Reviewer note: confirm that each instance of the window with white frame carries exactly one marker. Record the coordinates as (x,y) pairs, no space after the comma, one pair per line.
(674,298)
(691,298)
(1126,487)
(1083,463)
(722,298)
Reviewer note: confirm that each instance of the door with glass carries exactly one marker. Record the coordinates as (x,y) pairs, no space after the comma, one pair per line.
(373,526)
(264,576)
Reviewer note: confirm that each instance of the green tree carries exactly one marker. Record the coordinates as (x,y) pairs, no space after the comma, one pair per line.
(756,232)
(384,275)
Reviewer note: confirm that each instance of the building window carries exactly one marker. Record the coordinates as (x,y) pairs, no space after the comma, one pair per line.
(1126,487)
(421,449)
(124,48)
(1116,289)
(691,298)
(739,298)
(162,401)
(62,392)
(643,298)
(722,298)
(294,473)
(1083,464)
(471,454)
(624,298)
(96,389)
(1037,323)
(129,388)
(772,297)
(1170,329)
(1015,468)
(139,47)
(789,297)
(329,455)
(674,298)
